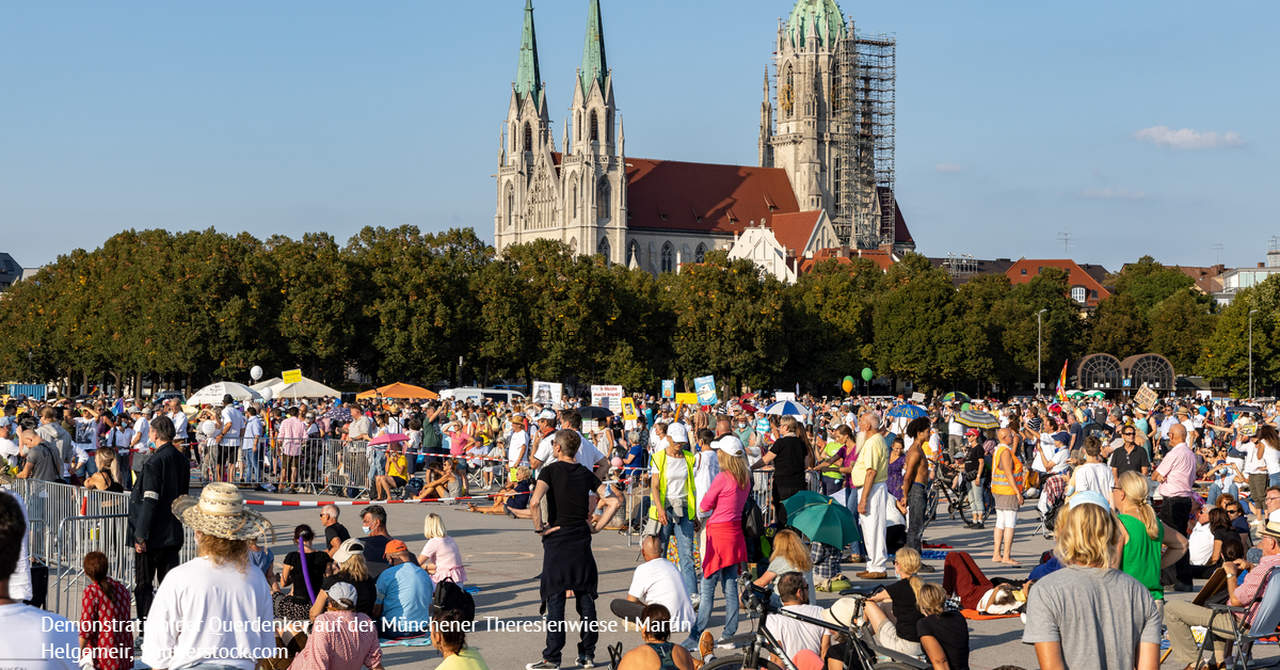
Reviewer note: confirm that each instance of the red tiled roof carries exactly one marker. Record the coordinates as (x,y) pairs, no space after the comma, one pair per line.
(1025,269)
(845,256)
(704,197)
(793,230)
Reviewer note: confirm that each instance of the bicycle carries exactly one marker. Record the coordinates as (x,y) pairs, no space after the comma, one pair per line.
(957,501)
(861,652)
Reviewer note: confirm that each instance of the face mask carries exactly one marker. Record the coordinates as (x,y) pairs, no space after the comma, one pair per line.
(364,529)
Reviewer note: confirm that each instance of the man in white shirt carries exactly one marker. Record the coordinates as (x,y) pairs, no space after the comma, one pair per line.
(250,457)
(229,433)
(1051,458)
(9,451)
(141,438)
(795,636)
(656,581)
(33,638)
(588,455)
(955,434)
(1200,542)
(517,443)
(179,419)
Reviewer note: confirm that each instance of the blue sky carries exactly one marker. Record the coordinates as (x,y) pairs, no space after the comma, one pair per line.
(1137,127)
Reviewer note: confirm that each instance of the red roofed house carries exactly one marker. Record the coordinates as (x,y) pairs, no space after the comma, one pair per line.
(657,214)
(1086,283)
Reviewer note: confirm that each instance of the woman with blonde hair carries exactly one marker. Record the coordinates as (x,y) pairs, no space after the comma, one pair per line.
(1147,544)
(107,476)
(897,630)
(789,555)
(944,635)
(440,555)
(1088,614)
(353,570)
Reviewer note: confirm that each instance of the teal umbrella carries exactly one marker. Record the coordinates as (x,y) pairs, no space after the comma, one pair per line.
(821,519)
(955,396)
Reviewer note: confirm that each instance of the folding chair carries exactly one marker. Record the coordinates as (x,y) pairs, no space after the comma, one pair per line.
(1260,620)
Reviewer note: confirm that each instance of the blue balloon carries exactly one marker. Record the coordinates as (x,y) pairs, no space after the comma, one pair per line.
(337,401)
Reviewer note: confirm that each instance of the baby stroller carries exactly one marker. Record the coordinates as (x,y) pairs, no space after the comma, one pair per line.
(1053,494)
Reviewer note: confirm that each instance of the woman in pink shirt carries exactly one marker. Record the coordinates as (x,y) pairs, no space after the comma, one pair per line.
(341,638)
(726,548)
(440,555)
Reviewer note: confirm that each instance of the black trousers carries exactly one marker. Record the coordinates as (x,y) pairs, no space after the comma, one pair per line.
(780,512)
(556,627)
(917,495)
(1175,512)
(151,564)
(627,609)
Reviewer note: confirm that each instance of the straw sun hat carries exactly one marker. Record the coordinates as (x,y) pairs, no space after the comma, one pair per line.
(220,512)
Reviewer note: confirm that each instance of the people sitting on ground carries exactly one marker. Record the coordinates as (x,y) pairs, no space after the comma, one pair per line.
(789,555)
(442,480)
(896,629)
(341,638)
(1180,616)
(105,617)
(1220,528)
(449,637)
(656,581)
(352,569)
(404,590)
(513,498)
(373,520)
(657,652)
(334,532)
(962,578)
(793,635)
(440,555)
(396,475)
(291,598)
(106,478)
(944,634)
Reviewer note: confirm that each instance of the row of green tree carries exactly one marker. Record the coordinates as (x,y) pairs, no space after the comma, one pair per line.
(399,304)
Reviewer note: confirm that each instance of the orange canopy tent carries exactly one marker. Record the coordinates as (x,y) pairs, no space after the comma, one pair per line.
(399,390)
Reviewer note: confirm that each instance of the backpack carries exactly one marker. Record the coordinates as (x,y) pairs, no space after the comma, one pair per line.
(449,596)
(752,519)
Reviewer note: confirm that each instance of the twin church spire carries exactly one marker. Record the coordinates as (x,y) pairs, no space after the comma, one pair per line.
(594,67)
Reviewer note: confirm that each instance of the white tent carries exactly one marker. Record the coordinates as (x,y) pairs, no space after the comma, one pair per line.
(267,383)
(213,393)
(307,388)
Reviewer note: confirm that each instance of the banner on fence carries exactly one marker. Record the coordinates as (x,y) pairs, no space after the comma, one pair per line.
(548,393)
(607,395)
(669,389)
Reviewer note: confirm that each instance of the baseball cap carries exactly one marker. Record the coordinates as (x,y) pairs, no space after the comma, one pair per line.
(6,421)
(394,547)
(348,548)
(971,431)
(344,594)
(1090,497)
(677,432)
(546,415)
(729,444)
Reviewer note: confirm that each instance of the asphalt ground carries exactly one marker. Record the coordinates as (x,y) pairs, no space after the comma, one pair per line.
(503,557)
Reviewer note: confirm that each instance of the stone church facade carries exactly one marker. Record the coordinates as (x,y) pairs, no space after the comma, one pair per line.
(650,213)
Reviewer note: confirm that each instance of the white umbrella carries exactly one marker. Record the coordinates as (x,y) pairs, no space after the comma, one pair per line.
(267,383)
(307,388)
(214,392)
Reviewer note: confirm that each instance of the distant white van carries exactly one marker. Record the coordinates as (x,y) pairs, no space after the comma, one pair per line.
(476,394)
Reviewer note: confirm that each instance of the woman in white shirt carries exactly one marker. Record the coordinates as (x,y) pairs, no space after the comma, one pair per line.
(1270,442)
(1094,475)
(1255,469)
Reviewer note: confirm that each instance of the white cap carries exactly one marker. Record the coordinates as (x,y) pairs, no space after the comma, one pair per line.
(547,414)
(729,444)
(677,432)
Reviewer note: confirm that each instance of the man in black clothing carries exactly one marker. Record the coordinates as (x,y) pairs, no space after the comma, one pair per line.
(1129,456)
(334,533)
(567,562)
(790,459)
(157,534)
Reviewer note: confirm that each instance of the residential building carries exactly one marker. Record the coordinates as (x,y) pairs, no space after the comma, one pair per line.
(10,271)
(1085,282)
(1235,280)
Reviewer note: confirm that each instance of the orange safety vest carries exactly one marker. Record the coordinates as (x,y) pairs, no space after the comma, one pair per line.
(1000,484)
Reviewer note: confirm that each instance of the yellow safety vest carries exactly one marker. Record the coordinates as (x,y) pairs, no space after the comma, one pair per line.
(660,462)
(1000,484)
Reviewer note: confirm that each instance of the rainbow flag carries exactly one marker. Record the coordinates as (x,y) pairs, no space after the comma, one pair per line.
(118,408)
(1062,383)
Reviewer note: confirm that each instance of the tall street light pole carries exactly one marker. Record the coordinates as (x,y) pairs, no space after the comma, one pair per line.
(1039,331)
(1251,313)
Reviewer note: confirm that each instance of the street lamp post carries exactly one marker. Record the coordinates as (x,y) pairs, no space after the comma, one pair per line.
(1251,313)
(1039,330)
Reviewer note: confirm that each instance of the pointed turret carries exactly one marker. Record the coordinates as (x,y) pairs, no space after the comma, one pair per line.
(594,66)
(766,125)
(621,138)
(528,79)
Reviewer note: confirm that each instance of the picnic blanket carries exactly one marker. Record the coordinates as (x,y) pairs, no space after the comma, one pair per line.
(975,615)
(423,640)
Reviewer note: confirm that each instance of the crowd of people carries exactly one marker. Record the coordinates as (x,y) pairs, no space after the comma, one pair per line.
(705,482)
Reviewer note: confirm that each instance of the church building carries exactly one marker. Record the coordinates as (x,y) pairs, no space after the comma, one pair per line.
(820,184)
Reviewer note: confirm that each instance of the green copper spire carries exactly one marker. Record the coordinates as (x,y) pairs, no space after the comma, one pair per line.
(825,15)
(528,80)
(593,63)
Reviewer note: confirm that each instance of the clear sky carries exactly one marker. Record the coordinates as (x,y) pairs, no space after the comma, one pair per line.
(1137,127)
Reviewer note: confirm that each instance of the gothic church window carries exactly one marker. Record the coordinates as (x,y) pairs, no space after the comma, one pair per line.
(573,198)
(528,137)
(668,257)
(700,253)
(603,249)
(511,207)
(595,127)
(603,199)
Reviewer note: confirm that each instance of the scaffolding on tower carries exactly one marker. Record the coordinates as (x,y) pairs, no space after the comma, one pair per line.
(863,134)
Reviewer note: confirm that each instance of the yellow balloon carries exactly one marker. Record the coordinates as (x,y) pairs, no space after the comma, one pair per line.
(847,386)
